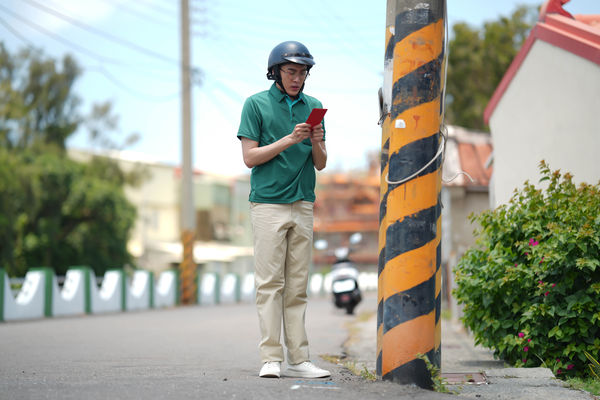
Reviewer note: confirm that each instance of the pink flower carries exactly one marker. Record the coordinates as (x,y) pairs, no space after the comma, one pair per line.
(525,349)
(526,253)
(541,282)
(524,360)
(521,334)
(533,242)
(559,372)
(528,340)
(516,264)
(554,284)
(570,366)
(546,294)
(558,360)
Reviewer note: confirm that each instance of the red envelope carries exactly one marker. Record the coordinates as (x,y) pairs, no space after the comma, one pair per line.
(316,116)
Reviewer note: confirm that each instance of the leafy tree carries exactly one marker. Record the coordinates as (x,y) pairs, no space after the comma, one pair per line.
(477,61)
(55,211)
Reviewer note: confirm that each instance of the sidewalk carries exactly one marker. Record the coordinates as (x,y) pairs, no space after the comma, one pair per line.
(461,361)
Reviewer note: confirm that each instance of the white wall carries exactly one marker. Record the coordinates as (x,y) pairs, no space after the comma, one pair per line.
(550,111)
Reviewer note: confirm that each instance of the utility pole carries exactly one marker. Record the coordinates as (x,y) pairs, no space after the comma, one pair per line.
(187,268)
(412,98)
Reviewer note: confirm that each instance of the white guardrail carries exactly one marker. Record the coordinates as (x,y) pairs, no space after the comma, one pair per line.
(41,296)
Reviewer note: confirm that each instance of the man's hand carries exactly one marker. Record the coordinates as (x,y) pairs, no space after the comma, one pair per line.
(317,134)
(301,131)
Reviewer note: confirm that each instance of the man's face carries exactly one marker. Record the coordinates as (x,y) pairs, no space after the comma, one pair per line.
(292,77)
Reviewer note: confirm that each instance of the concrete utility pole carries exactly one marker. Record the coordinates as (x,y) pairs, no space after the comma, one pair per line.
(408,314)
(187,268)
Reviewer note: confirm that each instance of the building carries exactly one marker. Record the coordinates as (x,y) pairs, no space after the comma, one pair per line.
(348,203)
(223,232)
(546,106)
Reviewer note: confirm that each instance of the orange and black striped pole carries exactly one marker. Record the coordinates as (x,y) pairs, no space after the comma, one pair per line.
(409,299)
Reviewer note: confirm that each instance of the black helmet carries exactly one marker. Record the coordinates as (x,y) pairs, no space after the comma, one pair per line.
(290,51)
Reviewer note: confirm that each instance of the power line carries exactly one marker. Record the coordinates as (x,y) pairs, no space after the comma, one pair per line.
(139,14)
(67,43)
(107,36)
(15,32)
(102,70)
(160,9)
(61,39)
(144,96)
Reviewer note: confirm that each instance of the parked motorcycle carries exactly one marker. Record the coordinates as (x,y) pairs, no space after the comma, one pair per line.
(344,277)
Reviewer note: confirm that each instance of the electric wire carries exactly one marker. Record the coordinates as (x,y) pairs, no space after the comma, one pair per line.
(99,68)
(142,70)
(59,38)
(139,14)
(108,36)
(160,9)
(15,32)
(127,89)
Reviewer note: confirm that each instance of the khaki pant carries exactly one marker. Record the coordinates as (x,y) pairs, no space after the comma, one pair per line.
(282,252)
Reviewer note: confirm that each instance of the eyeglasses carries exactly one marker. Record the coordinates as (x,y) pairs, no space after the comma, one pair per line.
(303,73)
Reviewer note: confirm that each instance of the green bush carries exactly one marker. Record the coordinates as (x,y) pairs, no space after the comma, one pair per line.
(531,286)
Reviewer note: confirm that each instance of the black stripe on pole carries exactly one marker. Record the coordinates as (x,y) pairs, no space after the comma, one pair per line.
(412,232)
(438,307)
(409,304)
(414,19)
(385,149)
(409,22)
(417,87)
(414,371)
(381,261)
(407,161)
(412,157)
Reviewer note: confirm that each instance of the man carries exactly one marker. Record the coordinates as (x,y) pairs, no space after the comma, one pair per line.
(283,152)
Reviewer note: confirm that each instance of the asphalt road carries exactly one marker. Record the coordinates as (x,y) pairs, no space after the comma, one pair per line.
(196,352)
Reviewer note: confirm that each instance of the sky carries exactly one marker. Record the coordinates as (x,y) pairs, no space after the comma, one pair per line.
(130,51)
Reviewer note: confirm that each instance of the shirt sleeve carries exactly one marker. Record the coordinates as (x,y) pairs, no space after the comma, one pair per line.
(250,123)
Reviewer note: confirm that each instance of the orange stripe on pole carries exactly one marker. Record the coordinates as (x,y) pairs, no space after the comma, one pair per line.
(397,278)
(414,196)
(423,46)
(394,355)
(419,124)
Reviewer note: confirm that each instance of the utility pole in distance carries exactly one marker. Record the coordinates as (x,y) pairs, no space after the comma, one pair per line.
(187,268)
(412,98)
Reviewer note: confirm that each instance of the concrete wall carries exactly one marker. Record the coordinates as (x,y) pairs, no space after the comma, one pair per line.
(550,111)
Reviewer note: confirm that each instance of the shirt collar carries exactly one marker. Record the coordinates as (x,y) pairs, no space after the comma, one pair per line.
(280,96)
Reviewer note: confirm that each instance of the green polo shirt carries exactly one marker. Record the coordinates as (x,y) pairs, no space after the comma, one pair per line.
(290,176)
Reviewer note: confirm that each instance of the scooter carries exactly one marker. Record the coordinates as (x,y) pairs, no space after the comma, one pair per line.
(344,278)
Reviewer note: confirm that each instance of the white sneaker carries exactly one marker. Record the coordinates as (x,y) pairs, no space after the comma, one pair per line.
(306,370)
(270,369)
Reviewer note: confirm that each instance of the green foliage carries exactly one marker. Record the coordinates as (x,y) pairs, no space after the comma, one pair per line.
(530,288)
(594,365)
(439,382)
(38,106)
(477,61)
(62,213)
(54,211)
(591,385)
